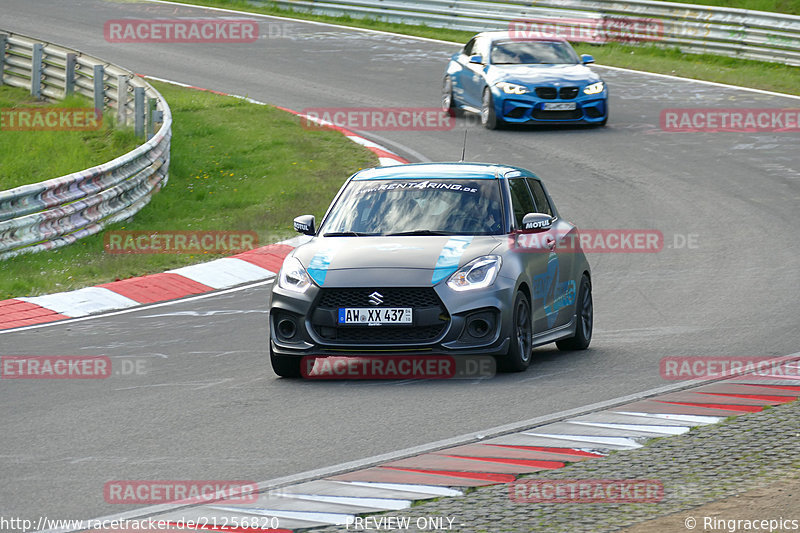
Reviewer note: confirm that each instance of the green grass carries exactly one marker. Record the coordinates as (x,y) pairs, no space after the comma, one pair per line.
(791,7)
(720,69)
(57,152)
(234,166)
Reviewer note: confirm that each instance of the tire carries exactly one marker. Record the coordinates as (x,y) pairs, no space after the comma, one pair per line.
(584,309)
(286,366)
(488,116)
(448,103)
(518,357)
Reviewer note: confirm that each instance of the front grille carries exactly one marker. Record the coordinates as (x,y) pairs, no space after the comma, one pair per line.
(430,316)
(383,334)
(557,115)
(547,93)
(568,93)
(392,297)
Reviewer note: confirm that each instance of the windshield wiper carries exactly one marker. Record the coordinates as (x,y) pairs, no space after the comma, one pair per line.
(420,232)
(348,234)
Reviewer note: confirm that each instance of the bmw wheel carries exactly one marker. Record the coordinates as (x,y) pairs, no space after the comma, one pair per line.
(519,353)
(488,116)
(584,310)
(448,105)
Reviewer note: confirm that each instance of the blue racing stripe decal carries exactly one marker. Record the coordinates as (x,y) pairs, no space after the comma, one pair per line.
(318,267)
(449,258)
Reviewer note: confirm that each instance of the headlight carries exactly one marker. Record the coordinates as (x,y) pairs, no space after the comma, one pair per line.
(476,274)
(293,277)
(512,88)
(594,88)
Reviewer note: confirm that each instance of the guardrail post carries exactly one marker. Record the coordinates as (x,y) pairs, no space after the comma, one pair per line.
(99,89)
(36,70)
(151,116)
(122,100)
(138,111)
(3,44)
(69,74)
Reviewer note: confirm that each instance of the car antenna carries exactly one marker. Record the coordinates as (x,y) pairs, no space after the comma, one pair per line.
(464,148)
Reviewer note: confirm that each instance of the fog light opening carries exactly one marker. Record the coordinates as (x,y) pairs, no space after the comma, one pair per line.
(287,329)
(478,327)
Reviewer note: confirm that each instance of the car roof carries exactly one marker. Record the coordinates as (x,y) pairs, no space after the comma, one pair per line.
(441,171)
(515,36)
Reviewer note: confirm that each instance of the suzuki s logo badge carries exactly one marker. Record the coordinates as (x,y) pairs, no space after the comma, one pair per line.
(376,298)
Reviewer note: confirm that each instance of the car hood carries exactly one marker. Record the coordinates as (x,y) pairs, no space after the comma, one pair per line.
(403,260)
(542,74)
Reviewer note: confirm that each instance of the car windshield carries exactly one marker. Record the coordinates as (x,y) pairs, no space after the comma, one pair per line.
(533,52)
(417,207)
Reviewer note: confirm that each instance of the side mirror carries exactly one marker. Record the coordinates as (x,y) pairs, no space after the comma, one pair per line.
(586,59)
(305,224)
(476,59)
(536,222)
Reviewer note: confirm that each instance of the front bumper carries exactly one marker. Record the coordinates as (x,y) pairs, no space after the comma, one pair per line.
(475,322)
(529,109)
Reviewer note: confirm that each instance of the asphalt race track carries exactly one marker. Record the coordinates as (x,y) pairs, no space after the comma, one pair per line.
(209,407)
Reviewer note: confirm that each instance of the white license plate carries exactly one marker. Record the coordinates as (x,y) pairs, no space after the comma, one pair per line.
(373,316)
(559,106)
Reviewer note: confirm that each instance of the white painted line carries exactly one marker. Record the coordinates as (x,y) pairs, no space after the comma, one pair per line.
(377,503)
(704,82)
(313,22)
(336,519)
(294,242)
(136,309)
(666,430)
(367,143)
(389,161)
(224,273)
(694,419)
(626,442)
(460,44)
(82,302)
(433,490)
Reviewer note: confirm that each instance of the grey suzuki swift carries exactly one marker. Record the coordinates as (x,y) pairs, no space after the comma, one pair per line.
(433,259)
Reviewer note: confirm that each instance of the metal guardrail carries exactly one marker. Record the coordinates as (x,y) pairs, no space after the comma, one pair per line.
(741,33)
(59,211)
